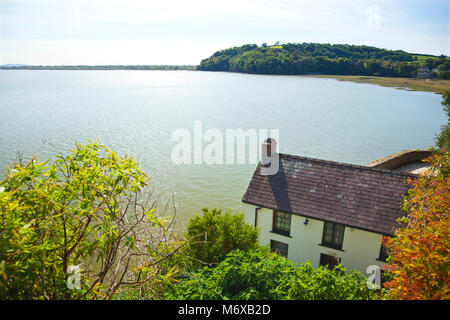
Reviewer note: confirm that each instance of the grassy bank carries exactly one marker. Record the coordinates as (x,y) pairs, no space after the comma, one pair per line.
(411,84)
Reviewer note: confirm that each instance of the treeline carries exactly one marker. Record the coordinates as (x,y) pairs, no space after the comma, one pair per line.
(103,67)
(441,67)
(310,58)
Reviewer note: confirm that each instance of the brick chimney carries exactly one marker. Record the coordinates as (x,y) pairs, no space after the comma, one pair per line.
(269,147)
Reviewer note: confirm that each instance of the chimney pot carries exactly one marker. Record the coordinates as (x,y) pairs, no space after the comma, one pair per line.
(267,147)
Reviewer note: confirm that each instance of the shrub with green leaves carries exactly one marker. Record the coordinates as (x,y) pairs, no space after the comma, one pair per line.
(443,139)
(216,233)
(260,274)
(81,210)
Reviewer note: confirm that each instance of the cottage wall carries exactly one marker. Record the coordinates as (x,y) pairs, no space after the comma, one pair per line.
(360,248)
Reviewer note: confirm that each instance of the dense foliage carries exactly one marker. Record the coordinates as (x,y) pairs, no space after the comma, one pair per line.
(419,253)
(83,211)
(443,140)
(441,65)
(214,234)
(261,274)
(304,58)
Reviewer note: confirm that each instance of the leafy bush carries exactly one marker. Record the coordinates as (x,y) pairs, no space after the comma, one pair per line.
(81,210)
(419,259)
(215,234)
(443,139)
(260,274)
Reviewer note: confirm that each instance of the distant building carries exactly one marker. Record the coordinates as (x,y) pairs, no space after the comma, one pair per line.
(423,72)
(328,212)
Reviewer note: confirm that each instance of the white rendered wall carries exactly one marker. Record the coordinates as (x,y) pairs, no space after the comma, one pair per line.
(359,250)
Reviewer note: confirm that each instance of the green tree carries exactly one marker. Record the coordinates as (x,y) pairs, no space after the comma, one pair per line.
(214,234)
(300,58)
(443,140)
(260,274)
(82,210)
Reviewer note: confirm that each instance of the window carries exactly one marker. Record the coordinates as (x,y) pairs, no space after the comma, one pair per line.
(279,247)
(383,253)
(329,261)
(281,223)
(333,235)
(384,277)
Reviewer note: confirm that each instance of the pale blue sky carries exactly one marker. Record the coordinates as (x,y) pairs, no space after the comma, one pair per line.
(55,32)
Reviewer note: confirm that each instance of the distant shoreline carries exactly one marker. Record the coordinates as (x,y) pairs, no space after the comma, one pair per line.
(438,86)
(103,67)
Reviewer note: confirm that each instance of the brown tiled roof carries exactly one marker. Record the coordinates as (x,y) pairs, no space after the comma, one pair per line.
(357,196)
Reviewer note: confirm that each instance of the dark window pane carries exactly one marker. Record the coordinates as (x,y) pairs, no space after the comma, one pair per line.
(282,222)
(329,261)
(383,253)
(339,234)
(328,232)
(279,247)
(333,234)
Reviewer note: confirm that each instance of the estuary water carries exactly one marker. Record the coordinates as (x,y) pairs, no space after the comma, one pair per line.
(136,113)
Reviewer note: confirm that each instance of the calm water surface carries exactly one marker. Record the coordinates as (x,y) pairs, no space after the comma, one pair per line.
(135,113)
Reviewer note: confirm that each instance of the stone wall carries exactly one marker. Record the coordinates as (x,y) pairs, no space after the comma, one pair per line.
(400,159)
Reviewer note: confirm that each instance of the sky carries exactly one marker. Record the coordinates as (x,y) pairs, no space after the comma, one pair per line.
(102,32)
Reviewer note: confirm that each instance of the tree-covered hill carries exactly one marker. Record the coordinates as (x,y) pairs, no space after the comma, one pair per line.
(307,58)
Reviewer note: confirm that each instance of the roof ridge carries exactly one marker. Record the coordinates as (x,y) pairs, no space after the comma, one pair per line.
(355,166)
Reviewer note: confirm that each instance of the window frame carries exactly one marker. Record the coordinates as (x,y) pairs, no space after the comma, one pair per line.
(334,235)
(325,256)
(282,252)
(383,254)
(286,222)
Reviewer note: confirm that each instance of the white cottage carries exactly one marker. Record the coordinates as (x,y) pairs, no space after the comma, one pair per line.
(326,212)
